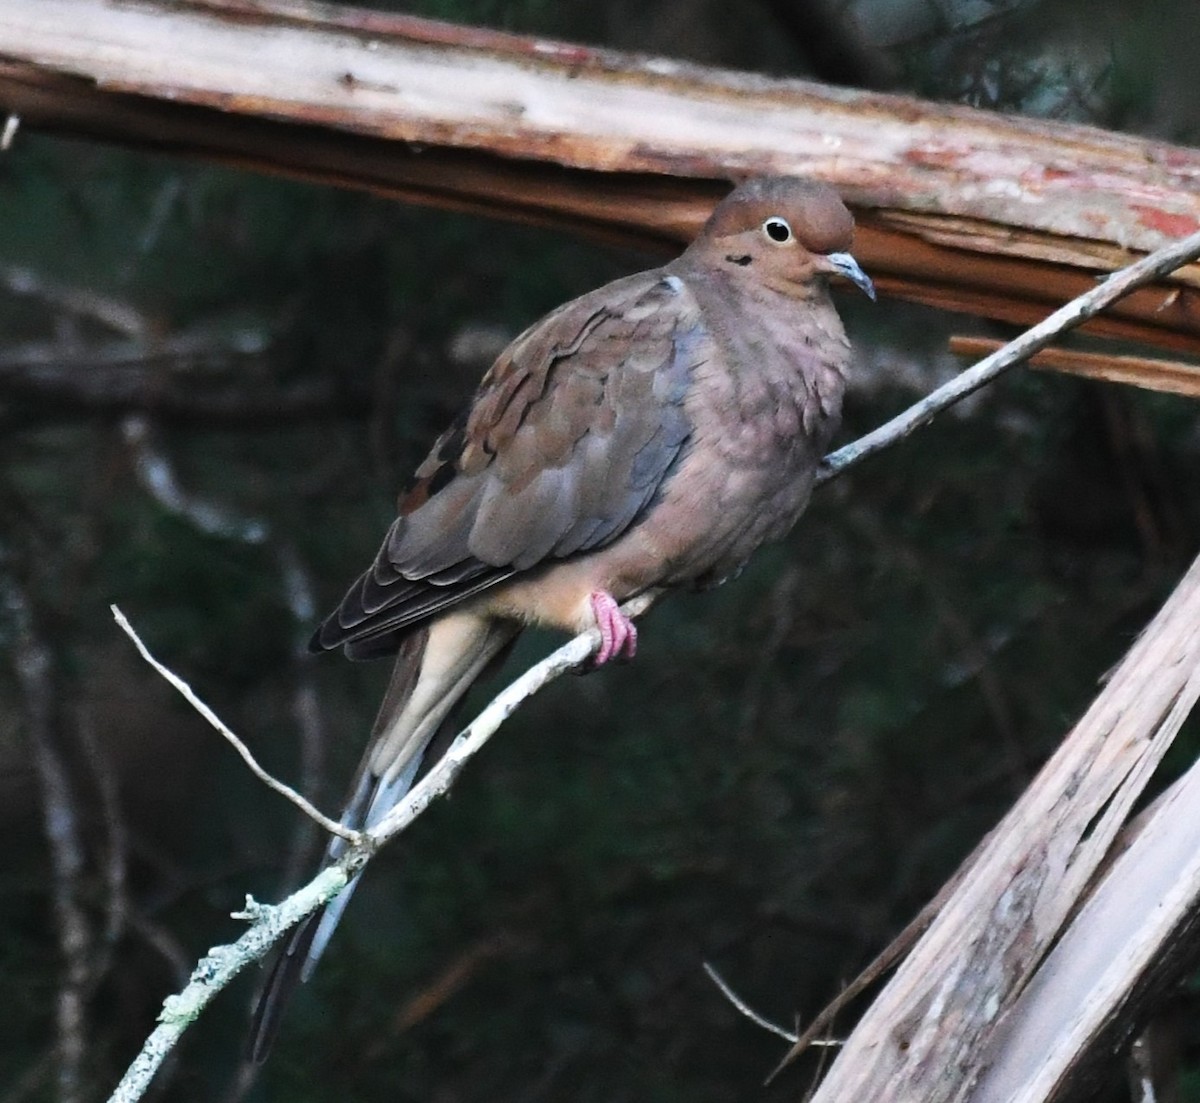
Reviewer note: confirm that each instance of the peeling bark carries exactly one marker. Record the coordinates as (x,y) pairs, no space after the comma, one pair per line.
(992,215)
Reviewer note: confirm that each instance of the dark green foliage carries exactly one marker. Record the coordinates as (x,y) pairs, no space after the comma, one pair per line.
(787,773)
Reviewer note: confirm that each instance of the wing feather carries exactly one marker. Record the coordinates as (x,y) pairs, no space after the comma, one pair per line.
(566,443)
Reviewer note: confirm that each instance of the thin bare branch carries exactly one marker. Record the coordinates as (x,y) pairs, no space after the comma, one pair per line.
(748,1011)
(305,806)
(222,963)
(1151,373)
(1157,264)
(268,923)
(157,475)
(469,741)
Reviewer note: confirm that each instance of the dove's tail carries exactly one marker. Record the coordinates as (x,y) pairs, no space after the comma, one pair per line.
(434,668)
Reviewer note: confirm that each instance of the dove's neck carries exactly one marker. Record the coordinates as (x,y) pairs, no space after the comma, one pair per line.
(787,352)
(797,320)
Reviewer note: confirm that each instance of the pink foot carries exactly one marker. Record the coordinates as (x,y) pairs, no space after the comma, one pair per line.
(618,634)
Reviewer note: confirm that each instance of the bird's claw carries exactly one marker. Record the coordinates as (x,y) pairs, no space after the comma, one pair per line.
(618,634)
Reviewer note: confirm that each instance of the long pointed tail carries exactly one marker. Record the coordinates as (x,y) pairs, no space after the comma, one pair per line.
(434,668)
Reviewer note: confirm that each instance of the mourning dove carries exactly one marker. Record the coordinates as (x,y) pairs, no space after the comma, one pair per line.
(650,434)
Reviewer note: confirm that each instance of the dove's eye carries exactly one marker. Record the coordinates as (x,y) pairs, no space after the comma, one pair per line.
(777,230)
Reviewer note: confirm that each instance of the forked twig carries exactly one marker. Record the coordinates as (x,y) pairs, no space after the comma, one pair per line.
(268,923)
(747,1010)
(306,806)
(1154,266)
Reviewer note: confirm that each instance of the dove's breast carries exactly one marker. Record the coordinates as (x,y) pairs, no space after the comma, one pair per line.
(762,405)
(762,411)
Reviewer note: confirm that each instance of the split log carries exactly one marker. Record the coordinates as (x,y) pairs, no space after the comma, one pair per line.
(992,215)
(978,1012)
(1149,373)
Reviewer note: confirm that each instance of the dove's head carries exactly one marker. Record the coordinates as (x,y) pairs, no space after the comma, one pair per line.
(782,230)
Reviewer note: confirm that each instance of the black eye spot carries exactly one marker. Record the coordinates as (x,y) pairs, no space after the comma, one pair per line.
(777,230)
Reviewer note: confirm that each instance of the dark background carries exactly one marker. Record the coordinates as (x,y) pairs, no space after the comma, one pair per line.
(787,773)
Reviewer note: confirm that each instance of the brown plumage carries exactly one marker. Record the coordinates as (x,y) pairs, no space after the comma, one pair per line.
(652,433)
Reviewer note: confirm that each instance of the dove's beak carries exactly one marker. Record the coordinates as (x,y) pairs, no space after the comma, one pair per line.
(845,265)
